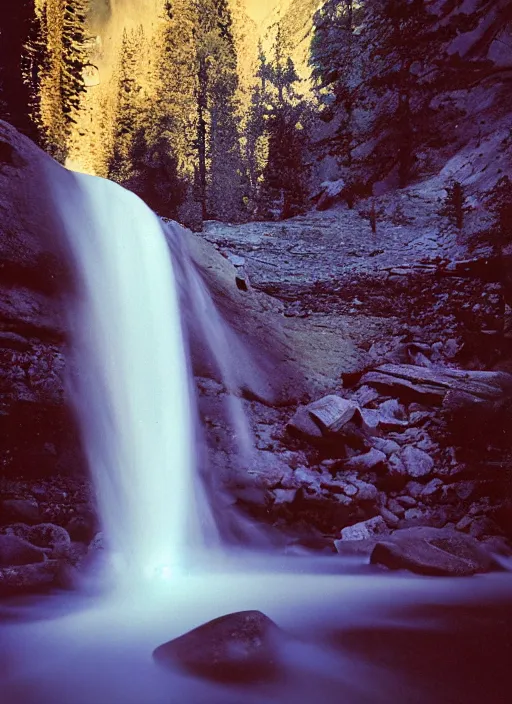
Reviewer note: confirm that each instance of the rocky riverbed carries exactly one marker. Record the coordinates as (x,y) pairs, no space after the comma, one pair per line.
(373,372)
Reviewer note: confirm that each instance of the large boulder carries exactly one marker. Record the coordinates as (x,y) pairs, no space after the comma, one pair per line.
(433,551)
(238,647)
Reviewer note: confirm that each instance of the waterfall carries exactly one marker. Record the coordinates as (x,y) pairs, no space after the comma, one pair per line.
(132,387)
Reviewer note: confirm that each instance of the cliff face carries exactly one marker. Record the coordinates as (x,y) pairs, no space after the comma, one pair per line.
(36,429)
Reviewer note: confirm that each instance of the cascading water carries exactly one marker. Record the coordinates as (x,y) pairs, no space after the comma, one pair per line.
(356,628)
(132,389)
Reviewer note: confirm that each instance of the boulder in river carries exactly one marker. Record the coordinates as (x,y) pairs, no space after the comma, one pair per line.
(237,647)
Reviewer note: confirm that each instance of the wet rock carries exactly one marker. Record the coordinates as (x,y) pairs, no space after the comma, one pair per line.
(238,647)
(16,551)
(434,552)
(19,510)
(82,528)
(30,577)
(55,538)
(417,462)
(365,530)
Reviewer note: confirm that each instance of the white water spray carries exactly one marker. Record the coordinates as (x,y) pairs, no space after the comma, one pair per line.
(132,389)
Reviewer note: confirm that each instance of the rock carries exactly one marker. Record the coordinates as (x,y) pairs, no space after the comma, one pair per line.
(330,192)
(97,543)
(414,489)
(284,496)
(238,647)
(408,380)
(331,412)
(435,552)
(30,577)
(407,501)
(391,520)
(396,508)
(17,551)
(301,425)
(19,510)
(417,462)
(397,471)
(385,445)
(483,527)
(364,395)
(235,259)
(55,538)
(82,528)
(433,486)
(365,530)
(366,462)
(365,491)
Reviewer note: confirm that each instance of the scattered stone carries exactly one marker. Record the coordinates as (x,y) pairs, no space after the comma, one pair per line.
(331,412)
(390,518)
(364,396)
(414,489)
(365,529)
(417,462)
(19,510)
(366,462)
(238,647)
(15,551)
(433,486)
(407,501)
(388,447)
(396,508)
(365,491)
(301,425)
(434,552)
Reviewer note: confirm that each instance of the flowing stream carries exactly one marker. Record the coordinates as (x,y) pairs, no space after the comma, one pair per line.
(358,636)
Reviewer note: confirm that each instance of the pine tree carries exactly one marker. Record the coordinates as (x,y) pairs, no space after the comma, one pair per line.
(129,107)
(455,206)
(61,50)
(219,177)
(283,189)
(16,24)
